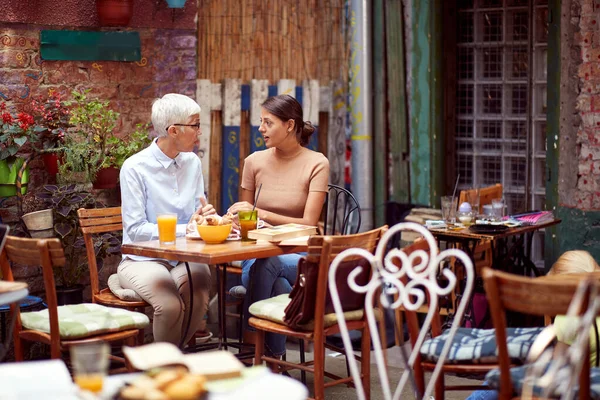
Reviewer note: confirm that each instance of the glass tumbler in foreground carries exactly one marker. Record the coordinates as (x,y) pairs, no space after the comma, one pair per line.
(90,364)
(449,209)
(497,209)
(248,221)
(167,228)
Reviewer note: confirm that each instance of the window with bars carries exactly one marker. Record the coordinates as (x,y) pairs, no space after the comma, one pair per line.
(501,68)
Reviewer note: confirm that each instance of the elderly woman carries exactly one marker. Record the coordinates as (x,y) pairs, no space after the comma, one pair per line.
(294,185)
(166,177)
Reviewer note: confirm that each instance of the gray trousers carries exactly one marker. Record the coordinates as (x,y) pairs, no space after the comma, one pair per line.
(166,289)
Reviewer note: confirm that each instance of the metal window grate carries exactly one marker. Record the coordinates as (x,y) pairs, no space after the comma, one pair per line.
(496,126)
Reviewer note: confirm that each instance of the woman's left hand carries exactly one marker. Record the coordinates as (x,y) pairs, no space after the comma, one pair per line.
(240,206)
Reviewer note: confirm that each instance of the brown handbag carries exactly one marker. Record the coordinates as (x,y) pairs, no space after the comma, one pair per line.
(301,309)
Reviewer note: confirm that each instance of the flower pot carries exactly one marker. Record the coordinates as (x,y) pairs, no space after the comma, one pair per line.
(176,3)
(39,220)
(51,163)
(106,178)
(9,171)
(70,295)
(114,12)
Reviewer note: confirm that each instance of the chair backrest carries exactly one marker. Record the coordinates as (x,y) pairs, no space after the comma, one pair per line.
(534,296)
(411,276)
(94,221)
(341,212)
(486,195)
(47,253)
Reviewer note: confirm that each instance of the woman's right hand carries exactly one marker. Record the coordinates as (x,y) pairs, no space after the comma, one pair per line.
(240,206)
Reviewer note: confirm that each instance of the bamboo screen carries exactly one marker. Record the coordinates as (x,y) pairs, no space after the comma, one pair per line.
(272,39)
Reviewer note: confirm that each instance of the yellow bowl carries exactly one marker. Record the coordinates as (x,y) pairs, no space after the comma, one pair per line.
(214,234)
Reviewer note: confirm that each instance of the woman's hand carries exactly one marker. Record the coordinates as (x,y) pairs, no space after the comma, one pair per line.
(240,206)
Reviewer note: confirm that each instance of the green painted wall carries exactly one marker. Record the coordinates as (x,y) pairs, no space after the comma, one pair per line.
(426,135)
(579,230)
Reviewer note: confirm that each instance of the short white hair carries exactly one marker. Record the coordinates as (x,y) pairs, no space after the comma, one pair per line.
(172,108)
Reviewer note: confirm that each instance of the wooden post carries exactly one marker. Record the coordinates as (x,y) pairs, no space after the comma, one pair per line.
(336,140)
(259,91)
(310,107)
(203,91)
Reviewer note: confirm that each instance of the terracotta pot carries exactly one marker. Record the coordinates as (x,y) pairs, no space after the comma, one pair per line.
(114,12)
(51,163)
(106,178)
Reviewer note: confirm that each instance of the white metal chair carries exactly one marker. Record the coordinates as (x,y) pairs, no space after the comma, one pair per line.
(413,280)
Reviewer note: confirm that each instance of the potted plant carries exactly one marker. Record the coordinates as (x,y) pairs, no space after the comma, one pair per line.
(118,150)
(15,132)
(51,116)
(85,147)
(65,200)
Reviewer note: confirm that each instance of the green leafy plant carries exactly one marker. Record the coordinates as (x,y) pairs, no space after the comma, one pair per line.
(118,150)
(85,148)
(65,200)
(52,120)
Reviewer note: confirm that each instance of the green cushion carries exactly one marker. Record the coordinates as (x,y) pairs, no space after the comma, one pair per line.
(83,320)
(273,309)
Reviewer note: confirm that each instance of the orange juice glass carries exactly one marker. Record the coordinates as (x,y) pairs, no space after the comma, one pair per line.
(248,221)
(90,364)
(167,228)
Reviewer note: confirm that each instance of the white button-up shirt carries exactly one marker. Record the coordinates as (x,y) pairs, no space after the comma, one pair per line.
(153,183)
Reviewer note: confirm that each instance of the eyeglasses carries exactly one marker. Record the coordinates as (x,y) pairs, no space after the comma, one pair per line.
(197,126)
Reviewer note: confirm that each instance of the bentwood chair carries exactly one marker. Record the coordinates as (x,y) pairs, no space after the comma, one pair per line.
(533,296)
(321,250)
(94,222)
(61,327)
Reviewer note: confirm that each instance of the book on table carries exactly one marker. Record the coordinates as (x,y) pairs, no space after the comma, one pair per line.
(282,232)
(213,365)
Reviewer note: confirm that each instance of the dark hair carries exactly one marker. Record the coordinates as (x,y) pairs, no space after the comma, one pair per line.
(285,107)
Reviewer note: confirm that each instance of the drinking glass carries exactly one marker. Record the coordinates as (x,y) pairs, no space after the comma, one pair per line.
(90,364)
(449,209)
(167,228)
(497,209)
(472,197)
(248,221)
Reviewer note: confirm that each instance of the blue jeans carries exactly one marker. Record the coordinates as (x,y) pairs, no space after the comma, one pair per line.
(265,278)
(484,394)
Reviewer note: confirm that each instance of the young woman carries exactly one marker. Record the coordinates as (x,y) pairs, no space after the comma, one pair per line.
(294,185)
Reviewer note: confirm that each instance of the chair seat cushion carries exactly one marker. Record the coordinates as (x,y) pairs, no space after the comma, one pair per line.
(478,346)
(124,294)
(83,320)
(273,309)
(517,375)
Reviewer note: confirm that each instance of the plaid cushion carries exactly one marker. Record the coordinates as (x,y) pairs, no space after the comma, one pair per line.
(475,346)
(517,375)
(273,309)
(83,320)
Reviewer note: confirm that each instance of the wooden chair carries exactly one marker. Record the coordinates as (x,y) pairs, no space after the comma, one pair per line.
(103,220)
(47,253)
(322,249)
(482,253)
(533,296)
(409,279)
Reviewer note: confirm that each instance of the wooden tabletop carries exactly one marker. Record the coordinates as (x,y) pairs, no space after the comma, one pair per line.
(466,233)
(199,252)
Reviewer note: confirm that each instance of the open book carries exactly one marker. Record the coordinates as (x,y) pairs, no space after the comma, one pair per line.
(212,364)
(282,232)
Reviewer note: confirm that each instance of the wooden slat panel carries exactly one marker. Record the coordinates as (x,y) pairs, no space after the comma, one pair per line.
(25,251)
(259,91)
(214,196)
(86,222)
(203,97)
(286,86)
(337,136)
(98,212)
(230,144)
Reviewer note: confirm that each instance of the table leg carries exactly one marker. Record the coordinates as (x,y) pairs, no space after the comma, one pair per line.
(191,310)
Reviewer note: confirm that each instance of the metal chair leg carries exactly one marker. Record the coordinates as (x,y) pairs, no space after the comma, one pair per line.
(302,360)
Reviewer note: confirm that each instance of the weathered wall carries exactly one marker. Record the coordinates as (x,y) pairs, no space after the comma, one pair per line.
(168,64)
(579,138)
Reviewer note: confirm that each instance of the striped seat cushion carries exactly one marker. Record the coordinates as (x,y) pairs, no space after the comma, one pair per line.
(478,346)
(83,320)
(517,375)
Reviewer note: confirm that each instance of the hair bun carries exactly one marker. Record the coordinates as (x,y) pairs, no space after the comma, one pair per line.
(307,130)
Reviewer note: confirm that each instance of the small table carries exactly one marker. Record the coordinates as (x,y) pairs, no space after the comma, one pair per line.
(197,251)
(10,293)
(505,256)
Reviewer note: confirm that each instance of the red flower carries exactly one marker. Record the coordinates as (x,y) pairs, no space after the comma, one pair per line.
(7,118)
(25,120)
